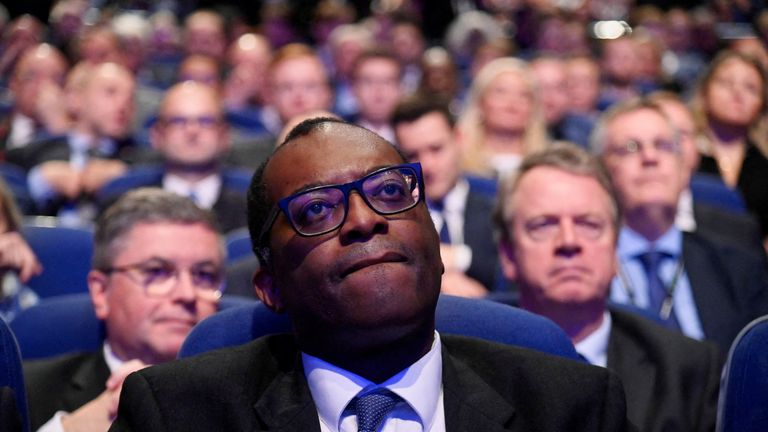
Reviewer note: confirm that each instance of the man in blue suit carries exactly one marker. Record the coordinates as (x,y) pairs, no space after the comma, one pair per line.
(459,206)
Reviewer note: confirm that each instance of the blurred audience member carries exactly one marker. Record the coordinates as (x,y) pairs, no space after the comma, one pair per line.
(582,93)
(407,43)
(17,261)
(619,65)
(377,86)
(459,210)
(98,44)
(22,33)
(503,119)
(440,77)
(204,33)
(65,171)
(552,78)
(345,44)
(157,271)
(706,288)
(248,58)
(39,110)
(559,222)
(730,108)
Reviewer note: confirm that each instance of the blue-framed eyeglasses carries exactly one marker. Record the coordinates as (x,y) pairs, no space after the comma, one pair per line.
(322,209)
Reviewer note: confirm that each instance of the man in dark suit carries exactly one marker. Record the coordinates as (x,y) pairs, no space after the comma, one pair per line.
(157,271)
(558,221)
(348,249)
(460,210)
(65,171)
(703,286)
(192,137)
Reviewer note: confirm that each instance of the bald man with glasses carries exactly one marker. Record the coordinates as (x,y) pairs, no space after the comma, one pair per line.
(157,271)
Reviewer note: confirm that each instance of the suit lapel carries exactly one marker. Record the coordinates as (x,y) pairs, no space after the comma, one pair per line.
(286,405)
(88,381)
(470,403)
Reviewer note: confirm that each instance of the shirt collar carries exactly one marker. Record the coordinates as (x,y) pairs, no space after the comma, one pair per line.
(333,388)
(685,219)
(631,243)
(113,362)
(595,346)
(206,190)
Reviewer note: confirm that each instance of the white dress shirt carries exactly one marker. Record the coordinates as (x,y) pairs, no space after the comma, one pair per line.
(594,347)
(205,191)
(420,387)
(454,206)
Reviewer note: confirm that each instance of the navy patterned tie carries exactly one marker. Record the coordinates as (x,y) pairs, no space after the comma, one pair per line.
(657,290)
(445,236)
(372,408)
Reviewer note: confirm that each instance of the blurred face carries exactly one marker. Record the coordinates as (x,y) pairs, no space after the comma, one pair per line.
(563,242)
(35,68)
(644,163)
(205,36)
(552,80)
(407,43)
(100,47)
(148,327)
(683,121)
(734,95)
(299,85)
(377,88)
(430,141)
(619,60)
(200,69)
(507,103)
(583,85)
(106,106)
(190,131)
(375,277)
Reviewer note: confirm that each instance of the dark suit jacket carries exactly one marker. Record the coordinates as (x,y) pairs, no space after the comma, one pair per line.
(671,381)
(261,386)
(729,284)
(478,235)
(740,229)
(10,418)
(63,383)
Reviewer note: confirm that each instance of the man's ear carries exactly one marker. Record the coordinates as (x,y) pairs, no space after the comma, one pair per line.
(267,291)
(507,260)
(97,287)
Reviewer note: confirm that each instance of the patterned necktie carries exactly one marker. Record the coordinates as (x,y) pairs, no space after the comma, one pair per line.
(657,290)
(372,408)
(445,236)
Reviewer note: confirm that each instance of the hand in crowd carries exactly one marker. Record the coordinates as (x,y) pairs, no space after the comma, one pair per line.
(98,414)
(71,182)
(16,253)
(51,112)
(458,284)
(100,171)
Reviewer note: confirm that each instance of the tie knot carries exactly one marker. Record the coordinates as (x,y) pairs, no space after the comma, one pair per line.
(372,408)
(437,205)
(651,260)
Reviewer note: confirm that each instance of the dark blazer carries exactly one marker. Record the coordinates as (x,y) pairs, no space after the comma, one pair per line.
(63,383)
(10,418)
(57,148)
(740,229)
(671,381)
(729,285)
(478,235)
(261,386)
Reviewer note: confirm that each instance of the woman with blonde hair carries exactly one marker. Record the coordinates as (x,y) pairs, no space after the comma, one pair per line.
(502,120)
(731,107)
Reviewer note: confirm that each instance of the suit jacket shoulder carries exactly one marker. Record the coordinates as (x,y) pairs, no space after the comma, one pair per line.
(671,381)
(496,387)
(37,152)
(740,229)
(729,285)
(63,383)
(478,235)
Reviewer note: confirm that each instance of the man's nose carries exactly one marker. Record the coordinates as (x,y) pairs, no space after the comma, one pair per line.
(567,242)
(362,221)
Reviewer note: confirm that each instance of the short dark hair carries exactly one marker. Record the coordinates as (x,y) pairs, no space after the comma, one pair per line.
(376,53)
(418,105)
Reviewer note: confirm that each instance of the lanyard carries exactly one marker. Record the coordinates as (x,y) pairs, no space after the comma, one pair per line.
(668,303)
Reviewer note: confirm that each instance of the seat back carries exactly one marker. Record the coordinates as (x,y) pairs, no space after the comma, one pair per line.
(238,245)
(743,403)
(11,374)
(65,324)
(135,178)
(455,315)
(65,253)
(712,190)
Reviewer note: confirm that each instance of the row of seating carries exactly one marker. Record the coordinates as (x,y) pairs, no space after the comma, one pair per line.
(70,325)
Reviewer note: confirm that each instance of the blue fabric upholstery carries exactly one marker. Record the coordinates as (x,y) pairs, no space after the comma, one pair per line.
(64,324)
(711,190)
(11,374)
(455,315)
(743,404)
(65,254)
(238,245)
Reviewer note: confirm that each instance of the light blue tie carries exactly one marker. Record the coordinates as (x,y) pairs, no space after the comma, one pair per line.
(372,408)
